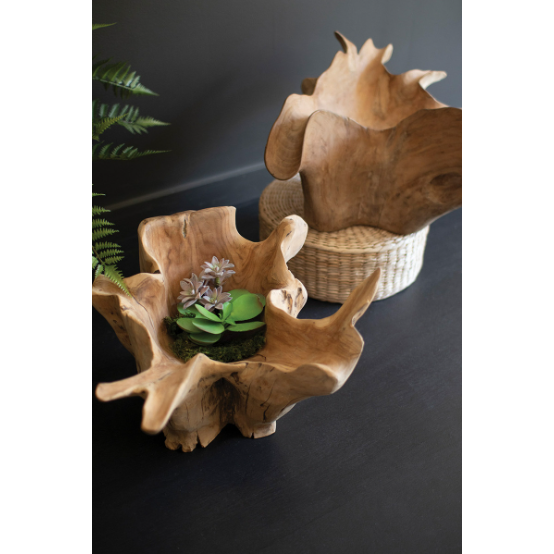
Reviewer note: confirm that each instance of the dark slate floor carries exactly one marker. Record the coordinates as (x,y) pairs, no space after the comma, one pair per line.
(374,468)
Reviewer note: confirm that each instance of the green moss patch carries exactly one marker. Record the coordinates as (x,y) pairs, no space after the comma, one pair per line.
(233,350)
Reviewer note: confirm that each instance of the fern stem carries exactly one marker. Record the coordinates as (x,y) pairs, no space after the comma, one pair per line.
(97,255)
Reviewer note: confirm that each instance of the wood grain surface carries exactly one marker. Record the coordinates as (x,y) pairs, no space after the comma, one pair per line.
(371,148)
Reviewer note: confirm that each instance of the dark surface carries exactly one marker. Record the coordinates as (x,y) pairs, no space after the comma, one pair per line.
(223,70)
(374,468)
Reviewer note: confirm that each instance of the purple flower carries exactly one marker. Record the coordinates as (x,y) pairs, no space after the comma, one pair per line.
(192,290)
(217,271)
(215,299)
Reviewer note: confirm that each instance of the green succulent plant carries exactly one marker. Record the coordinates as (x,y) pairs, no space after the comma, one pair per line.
(204,327)
(124,83)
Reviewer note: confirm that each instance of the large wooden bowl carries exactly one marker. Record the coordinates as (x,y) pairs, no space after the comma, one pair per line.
(371,148)
(191,402)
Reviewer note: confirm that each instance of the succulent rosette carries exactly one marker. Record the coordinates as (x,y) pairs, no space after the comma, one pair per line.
(215,298)
(217,271)
(193,290)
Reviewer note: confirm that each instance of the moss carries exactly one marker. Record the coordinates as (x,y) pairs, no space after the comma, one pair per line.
(234,350)
(173,330)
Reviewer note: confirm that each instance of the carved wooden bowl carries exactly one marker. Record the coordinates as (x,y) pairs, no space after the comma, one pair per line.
(191,402)
(371,148)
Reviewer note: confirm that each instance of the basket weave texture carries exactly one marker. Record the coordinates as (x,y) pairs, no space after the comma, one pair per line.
(331,265)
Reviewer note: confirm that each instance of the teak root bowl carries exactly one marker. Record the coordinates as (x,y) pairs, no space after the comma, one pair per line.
(191,402)
(371,148)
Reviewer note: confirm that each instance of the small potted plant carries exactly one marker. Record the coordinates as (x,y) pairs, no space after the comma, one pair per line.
(225,326)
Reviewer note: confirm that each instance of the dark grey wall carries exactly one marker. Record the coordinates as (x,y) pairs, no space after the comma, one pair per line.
(223,69)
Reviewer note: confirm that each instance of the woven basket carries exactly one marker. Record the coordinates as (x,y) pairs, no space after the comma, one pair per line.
(331,265)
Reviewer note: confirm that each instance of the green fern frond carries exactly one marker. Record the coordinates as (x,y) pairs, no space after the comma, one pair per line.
(104,245)
(120,77)
(104,262)
(100,223)
(115,276)
(109,110)
(101,151)
(100,25)
(101,125)
(112,260)
(126,116)
(97,210)
(104,254)
(140,124)
(102,233)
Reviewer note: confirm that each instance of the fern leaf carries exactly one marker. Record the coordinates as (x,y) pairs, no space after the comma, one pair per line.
(100,111)
(120,78)
(108,253)
(101,151)
(100,222)
(120,152)
(140,124)
(115,276)
(100,25)
(115,151)
(97,210)
(131,120)
(113,259)
(101,125)
(105,254)
(104,245)
(102,233)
